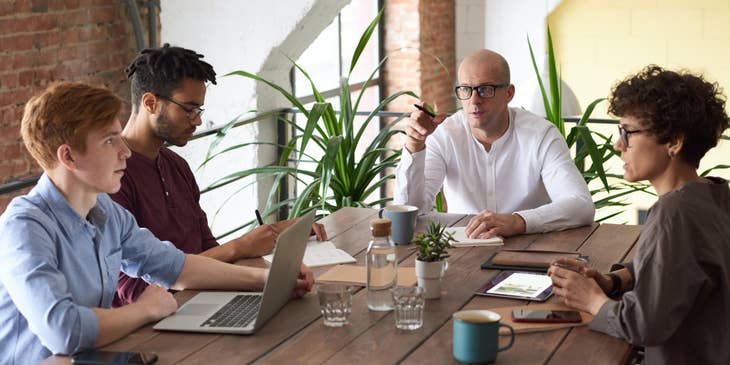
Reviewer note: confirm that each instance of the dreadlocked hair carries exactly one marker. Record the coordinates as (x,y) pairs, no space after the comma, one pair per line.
(161,70)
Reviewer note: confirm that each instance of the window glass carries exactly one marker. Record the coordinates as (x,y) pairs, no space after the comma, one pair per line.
(320,62)
(355,18)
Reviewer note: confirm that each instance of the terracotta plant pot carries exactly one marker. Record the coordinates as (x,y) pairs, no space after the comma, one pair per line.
(429,276)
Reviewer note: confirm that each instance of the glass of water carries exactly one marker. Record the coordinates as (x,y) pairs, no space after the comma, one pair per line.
(408,302)
(335,303)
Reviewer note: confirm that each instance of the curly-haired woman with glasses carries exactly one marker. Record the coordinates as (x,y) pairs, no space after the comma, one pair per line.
(674,297)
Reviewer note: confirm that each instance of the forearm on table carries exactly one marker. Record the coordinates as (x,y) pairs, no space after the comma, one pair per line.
(227,252)
(565,213)
(118,322)
(200,272)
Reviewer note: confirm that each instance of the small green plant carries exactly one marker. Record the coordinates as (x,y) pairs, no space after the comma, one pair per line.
(432,245)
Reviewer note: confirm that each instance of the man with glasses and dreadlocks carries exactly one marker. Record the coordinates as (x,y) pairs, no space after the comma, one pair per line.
(509,167)
(168,91)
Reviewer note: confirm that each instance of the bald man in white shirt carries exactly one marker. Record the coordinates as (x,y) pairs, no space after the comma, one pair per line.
(509,167)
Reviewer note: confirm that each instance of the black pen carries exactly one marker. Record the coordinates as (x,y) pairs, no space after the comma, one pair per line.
(428,112)
(258,218)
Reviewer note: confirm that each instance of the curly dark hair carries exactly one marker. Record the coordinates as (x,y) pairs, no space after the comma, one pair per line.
(161,70)
(673,105)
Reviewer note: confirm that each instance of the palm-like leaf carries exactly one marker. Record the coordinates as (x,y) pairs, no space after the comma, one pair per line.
(588,152)
(340,177)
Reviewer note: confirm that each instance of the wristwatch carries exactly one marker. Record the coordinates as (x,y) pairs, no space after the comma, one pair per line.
(615,285)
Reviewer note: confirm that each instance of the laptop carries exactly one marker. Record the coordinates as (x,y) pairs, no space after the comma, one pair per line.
(245,312)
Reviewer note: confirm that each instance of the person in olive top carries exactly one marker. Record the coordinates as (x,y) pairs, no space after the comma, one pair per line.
(674,297)
(168,86)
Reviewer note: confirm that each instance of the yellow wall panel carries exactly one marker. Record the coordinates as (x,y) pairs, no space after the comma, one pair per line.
(580,20)
(717,24)
(599,43)
(694,4)
(667,23)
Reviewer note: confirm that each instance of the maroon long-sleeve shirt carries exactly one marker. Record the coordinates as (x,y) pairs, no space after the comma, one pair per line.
(163,196)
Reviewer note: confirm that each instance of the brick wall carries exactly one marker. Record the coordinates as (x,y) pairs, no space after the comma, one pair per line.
(420,44)
(419,40)
(42,41)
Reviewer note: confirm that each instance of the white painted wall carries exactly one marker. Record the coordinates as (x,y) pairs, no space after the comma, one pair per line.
(250,36)
(470,27)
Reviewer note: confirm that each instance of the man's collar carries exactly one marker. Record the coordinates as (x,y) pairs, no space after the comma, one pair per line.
(67,217)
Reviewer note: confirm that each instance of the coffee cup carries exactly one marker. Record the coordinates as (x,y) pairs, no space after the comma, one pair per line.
(476,336)
(403,218)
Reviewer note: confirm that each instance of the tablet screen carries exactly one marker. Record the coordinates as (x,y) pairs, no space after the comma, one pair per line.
(522,285)
(519,285)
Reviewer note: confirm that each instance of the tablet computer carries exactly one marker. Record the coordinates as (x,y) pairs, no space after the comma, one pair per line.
(519,285)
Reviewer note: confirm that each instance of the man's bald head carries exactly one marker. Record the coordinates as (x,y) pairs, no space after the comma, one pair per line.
(486,61)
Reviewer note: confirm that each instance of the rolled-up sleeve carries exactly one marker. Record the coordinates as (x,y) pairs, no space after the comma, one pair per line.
(664,291)
(29,271)
(145,256)
(571,204)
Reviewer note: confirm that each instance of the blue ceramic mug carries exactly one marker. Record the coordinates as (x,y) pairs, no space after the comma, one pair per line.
(403,218)
(476,336)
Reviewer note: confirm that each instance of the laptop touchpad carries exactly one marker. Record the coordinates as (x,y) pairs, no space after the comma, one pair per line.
(197,309)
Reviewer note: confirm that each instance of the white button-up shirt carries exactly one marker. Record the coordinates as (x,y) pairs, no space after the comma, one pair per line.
(528,171)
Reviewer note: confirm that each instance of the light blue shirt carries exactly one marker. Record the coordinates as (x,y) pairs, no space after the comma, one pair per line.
(54,265)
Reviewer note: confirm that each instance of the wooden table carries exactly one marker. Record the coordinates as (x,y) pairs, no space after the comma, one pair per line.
(296,335)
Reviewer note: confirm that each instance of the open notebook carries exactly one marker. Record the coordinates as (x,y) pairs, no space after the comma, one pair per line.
(461,240)
(321,253)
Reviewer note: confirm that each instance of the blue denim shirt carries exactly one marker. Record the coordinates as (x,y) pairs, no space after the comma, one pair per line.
(55,264)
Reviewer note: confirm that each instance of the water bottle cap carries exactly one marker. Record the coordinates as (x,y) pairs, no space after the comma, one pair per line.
(380,227)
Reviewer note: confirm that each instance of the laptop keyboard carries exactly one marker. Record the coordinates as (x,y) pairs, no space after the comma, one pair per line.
(238,312)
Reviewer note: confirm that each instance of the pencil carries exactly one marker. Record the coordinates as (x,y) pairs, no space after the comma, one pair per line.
(428,112)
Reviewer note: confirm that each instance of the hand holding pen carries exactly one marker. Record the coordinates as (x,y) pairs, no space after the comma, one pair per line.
(421,124)
(423,109)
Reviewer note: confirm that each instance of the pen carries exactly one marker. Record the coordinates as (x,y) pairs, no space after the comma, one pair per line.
(258,218)
(428,112)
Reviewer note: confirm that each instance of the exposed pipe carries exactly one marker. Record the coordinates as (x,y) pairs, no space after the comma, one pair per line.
(152,6)
(136,23)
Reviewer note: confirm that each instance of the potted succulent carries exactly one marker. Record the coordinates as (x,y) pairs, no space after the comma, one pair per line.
(431,261)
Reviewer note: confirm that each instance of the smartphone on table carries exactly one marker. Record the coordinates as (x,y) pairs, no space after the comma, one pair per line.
(96,357)
(545,316)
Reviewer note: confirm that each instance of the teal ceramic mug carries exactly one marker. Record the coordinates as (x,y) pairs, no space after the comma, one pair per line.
(403,218)
(476,336)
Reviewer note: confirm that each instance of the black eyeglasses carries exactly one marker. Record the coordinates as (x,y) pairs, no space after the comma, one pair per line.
(463,92)
(624,134)
(191,113)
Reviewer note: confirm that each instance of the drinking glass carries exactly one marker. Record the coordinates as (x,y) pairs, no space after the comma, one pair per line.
(408,302)
(335,303)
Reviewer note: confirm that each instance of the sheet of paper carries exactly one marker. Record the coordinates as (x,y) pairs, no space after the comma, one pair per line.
(461,240)
(321,253)
(356,275)
(523,285)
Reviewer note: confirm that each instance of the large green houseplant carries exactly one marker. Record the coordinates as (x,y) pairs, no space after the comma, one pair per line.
(590,156)
(340,177)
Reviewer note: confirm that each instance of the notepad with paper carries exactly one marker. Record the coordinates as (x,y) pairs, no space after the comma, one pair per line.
(357,275)
(321,253)
(462,241)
